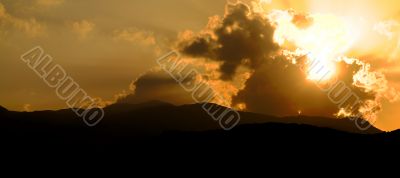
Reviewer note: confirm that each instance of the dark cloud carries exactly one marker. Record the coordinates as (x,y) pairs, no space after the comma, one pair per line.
(157,86)
(276,87)
(241,37)
(281,88)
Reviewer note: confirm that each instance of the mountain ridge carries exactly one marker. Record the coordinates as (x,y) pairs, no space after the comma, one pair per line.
(128,127)
(165,116)
(3,109)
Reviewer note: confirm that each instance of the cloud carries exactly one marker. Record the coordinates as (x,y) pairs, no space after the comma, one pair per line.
(157,85)
(2,11)
(391,30)
(280,87)
(49,3)
(27,107)
(30,27)
(135,35)
(248,68)
(302,20)
(240,38)
(82,28)
(329,45)
(265,1)
(237,56)
(387,28)
(277,85)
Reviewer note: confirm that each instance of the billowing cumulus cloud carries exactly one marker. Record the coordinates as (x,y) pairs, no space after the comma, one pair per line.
(280,87)
(241,37)
(268,48)
(157,85)
(327,40)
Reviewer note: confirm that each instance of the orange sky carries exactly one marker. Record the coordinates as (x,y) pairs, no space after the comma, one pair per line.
(105,45)
(380,49)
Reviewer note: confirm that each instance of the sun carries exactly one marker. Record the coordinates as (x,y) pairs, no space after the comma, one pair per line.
(320,70)
(325,39)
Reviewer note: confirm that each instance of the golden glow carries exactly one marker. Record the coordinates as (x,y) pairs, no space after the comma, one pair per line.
(328,38)
(108,51)
(328,35)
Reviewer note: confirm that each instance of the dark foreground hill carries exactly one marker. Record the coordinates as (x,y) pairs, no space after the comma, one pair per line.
(2,109)
(126,127)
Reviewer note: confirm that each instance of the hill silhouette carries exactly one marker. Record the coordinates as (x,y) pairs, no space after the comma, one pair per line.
(126,126)
(157,117)
(2,109)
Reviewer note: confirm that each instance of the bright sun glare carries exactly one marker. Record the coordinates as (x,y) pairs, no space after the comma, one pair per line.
(327,39)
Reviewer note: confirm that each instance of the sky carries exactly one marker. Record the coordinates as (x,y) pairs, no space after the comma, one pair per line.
(110,48)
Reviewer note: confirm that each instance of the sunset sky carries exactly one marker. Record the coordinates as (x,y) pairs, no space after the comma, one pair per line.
(110,48)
